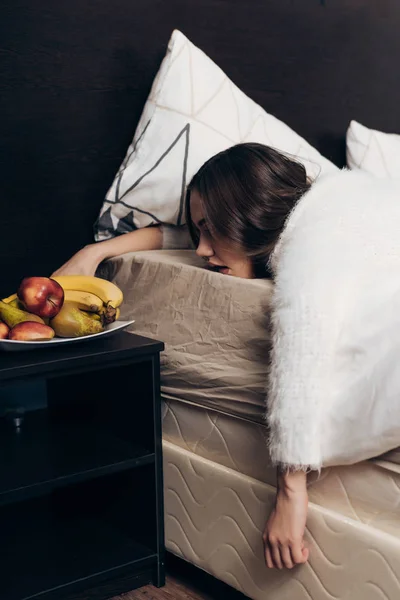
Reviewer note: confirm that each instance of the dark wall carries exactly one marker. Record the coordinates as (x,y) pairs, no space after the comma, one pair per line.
(74,76)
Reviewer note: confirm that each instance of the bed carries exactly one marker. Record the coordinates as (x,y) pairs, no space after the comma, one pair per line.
(219,485)
(75,77)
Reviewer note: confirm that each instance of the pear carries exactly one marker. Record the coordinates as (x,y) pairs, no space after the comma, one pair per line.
(11,315)
(73,322)
(92,315)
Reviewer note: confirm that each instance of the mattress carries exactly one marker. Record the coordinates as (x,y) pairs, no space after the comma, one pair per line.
(214,518)
(220,488)
(368,492)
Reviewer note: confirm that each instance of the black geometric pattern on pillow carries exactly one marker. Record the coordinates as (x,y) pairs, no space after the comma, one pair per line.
(105,225)
(126,224)
(126,160)
(186,130)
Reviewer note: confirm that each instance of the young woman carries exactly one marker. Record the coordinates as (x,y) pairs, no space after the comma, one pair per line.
(328,244)
(236,208)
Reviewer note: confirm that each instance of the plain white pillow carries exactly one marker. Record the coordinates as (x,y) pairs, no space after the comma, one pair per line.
(193,111)
(373,151)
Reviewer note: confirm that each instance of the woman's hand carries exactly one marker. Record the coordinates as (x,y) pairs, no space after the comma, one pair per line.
(84,262)
(284,532)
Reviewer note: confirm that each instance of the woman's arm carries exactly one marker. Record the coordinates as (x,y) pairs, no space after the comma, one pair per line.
(86,261)
(284,532)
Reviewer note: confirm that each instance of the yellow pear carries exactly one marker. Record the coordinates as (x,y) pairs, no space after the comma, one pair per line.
(12,315)
(73,322)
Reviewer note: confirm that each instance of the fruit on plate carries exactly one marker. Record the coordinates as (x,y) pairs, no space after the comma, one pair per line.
(41,296)
(11,315)
(4,329)
(30,331)
(73,322)
(109,293)
(88,304)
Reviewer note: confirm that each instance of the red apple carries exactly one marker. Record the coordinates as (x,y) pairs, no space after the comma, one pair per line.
(4,329)
(41,296)
(30,331)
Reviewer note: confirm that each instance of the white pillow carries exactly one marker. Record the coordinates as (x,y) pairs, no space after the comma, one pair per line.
(193,111)
(373,151)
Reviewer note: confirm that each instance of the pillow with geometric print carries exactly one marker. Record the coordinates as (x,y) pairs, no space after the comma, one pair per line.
(373,151)
(193,111)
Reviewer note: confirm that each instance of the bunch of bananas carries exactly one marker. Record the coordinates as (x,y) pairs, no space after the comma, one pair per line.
(90,303)
(93,295)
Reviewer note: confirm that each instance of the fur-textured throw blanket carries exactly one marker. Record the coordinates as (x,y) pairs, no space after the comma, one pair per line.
(334,381)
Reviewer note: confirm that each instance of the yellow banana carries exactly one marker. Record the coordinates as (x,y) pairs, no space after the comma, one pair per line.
(109,293)
(84,300)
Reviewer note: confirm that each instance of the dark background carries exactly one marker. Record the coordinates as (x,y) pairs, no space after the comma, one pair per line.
(74,76)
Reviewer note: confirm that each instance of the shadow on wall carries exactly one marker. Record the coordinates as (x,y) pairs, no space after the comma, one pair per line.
(333,146)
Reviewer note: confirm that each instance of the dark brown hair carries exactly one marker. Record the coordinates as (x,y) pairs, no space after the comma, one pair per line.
(247,193)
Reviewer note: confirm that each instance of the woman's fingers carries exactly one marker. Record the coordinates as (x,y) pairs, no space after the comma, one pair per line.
(268,557)
(280,556)
(276,555)
(287,557)
(299,553)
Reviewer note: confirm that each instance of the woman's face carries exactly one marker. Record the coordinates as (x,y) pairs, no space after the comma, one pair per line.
(219,254)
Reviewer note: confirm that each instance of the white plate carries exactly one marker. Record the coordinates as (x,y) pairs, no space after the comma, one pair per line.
(17,345)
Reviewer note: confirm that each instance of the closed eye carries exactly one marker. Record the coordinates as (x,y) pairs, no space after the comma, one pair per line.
(202,227)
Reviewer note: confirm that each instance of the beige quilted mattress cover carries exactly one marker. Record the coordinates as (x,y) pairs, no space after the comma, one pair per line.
(214,518)
(368,492)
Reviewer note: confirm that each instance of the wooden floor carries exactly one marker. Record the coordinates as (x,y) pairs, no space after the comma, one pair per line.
(185,582)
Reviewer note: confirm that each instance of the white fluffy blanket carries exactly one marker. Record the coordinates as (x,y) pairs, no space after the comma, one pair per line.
(334,383)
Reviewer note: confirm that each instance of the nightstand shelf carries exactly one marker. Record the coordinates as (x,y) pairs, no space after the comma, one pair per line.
(44,455)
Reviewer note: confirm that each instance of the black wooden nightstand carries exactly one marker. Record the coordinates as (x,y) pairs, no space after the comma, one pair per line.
(81,486)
